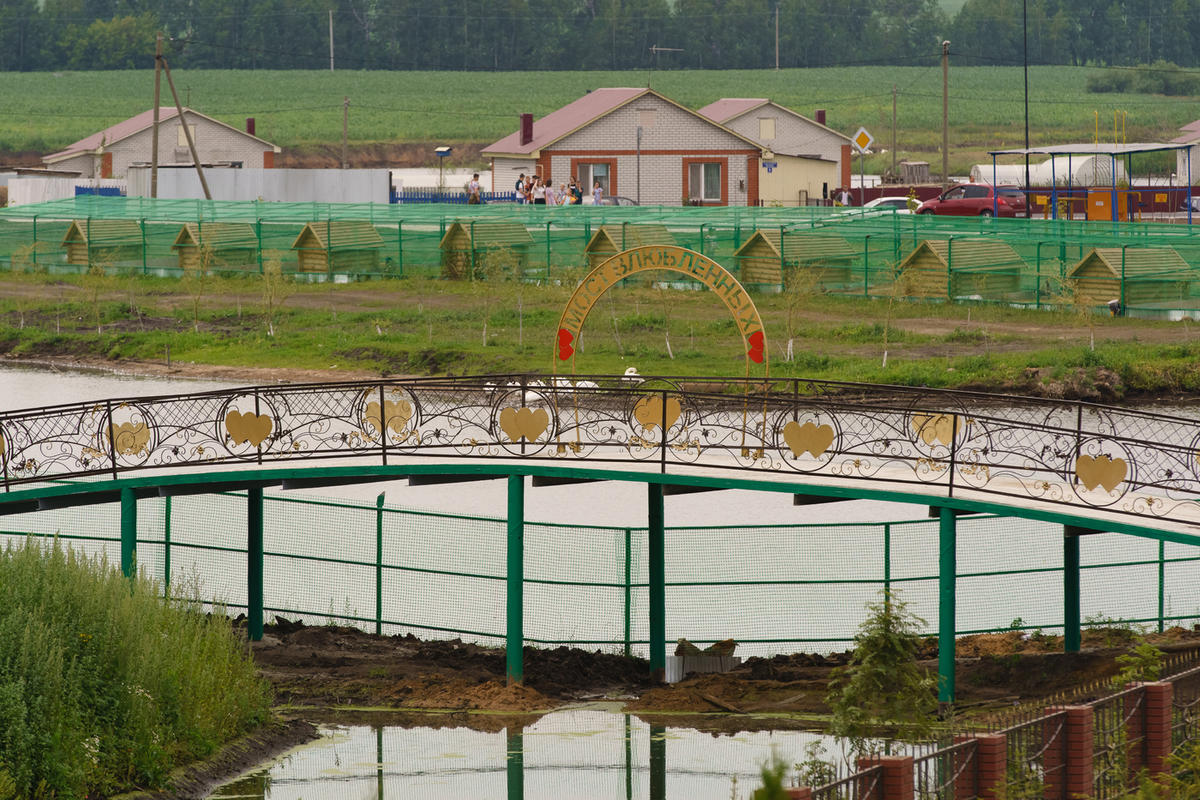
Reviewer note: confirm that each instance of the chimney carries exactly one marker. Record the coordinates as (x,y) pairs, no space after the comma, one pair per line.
(250,125)
(526,128)
(821,116)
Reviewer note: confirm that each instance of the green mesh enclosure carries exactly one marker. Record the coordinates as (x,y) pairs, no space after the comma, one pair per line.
(1150,268)
(779,588)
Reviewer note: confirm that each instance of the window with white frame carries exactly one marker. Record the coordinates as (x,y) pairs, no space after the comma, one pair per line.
(589,174)
(704,182)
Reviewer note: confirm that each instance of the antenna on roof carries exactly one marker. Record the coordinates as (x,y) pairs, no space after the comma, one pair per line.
(655,49)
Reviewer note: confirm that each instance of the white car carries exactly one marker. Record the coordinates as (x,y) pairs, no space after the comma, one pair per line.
(899,203)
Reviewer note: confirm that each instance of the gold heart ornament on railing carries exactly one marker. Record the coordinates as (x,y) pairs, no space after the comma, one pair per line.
(808,438)
(248,427)
(527,423)
(932,428)
(129,438)
(649,411)
(1102,470)
(398,413)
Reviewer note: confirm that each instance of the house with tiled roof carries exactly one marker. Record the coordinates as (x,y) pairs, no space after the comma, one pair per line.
(635,143)
(804,159)
(110,152)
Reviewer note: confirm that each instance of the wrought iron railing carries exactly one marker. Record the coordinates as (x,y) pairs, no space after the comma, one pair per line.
(864,785)
(1185,708)
(1134,463)
(946,774)
(1114,745)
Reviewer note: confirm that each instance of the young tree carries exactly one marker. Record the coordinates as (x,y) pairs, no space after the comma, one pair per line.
(883,693)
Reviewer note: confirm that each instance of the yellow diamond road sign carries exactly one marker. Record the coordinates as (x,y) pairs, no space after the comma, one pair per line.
(862,140)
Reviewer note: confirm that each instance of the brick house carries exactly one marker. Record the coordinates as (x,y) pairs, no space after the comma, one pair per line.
(680,157)
(808,160)
(110,152)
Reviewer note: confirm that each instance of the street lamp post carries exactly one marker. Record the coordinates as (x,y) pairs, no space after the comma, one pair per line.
(442,153)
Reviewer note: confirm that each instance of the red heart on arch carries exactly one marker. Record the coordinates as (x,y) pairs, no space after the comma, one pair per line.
(565,350)
(756,347)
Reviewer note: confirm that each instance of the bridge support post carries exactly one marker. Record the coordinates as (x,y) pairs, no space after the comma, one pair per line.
(1072,630)
(655,559)
(254,563)
(515,605)
(947,586)
(128,532)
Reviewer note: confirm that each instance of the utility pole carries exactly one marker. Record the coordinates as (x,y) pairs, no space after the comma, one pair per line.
(345,131)
(777,35)
(1025,45)
(187,131)
(154,136)
(331,40)
(894,131)
(945,115)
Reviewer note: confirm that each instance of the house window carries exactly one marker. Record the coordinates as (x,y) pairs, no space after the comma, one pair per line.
(766,128)
(589,174)
(646,117)
(704,182)
(181,137)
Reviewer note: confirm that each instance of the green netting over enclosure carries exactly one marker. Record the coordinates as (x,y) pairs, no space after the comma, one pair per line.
(778,588)
(1151,268)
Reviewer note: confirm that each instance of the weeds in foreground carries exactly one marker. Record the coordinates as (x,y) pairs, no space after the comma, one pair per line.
(104,686)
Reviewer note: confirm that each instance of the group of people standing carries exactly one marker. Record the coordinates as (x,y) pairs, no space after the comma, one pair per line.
(539,192)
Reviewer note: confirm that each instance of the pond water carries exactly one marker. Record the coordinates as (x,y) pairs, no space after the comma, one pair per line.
(586,753)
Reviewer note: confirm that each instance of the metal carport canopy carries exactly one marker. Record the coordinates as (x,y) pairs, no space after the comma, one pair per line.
(1110,150)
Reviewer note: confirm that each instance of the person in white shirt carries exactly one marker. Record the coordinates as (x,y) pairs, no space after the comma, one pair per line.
(539,191)
(597,193)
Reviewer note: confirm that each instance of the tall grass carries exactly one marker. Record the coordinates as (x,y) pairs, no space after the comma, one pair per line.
(103,686)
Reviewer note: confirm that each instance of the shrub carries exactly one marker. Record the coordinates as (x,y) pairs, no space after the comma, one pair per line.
(103,685)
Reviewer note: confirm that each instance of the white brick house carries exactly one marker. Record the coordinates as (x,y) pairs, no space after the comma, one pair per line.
(110,152)
(681,156)
(783,132)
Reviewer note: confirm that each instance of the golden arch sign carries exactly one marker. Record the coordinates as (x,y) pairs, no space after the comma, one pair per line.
(674,259)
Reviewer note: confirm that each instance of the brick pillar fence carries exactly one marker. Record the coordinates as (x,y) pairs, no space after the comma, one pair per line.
(1148,730)
(1068,758)
(986,773)
(896,782)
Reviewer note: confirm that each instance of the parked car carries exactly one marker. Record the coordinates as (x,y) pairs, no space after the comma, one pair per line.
(900,204)
(976,200)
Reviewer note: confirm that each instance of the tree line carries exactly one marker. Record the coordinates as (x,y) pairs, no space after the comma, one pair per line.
(38,35)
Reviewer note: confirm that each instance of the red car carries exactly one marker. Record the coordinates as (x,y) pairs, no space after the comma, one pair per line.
(976,200)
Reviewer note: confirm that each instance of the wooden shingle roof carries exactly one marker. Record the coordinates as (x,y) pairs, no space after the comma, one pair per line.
(627,236)
(801,247)
(336,235)
(486,235)
(104,231)
(969,254)
(1139,261)
(216,235)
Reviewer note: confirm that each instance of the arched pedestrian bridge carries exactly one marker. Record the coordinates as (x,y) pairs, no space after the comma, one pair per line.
(1089,467)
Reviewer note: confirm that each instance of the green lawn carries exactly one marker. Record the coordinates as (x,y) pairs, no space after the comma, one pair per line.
(45,111)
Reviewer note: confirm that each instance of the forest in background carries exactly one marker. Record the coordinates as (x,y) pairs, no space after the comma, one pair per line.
(506,35)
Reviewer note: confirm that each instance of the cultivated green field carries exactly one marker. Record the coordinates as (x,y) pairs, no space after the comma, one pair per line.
(45,111)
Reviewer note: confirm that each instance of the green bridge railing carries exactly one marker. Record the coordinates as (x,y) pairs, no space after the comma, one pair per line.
(773,588)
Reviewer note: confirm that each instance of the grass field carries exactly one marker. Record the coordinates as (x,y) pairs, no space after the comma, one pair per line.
(45,111)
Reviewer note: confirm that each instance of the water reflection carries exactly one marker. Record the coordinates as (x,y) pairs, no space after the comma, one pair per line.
(572,753)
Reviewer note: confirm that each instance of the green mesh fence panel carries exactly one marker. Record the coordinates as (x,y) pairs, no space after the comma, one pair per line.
(1151,268)
(771,588)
